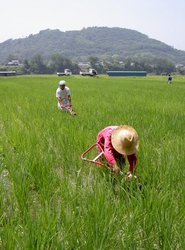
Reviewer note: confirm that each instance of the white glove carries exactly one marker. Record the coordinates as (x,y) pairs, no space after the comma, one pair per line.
(130,176)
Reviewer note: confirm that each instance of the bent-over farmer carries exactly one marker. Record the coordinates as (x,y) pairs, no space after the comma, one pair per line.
(118,142)
(63,95)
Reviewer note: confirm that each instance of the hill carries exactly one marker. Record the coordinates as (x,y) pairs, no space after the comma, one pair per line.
(104,42)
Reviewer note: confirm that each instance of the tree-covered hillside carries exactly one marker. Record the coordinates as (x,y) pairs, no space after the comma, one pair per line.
(106,43)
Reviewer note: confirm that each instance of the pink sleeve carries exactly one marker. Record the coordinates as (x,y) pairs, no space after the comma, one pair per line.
(108,151)
(132,161)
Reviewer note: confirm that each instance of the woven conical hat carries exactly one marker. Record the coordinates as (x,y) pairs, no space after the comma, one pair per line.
(125,140)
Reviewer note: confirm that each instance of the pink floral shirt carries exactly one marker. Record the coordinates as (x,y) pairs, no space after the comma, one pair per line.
(104,140)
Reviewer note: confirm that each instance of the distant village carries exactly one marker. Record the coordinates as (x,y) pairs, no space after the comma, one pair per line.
(12,67)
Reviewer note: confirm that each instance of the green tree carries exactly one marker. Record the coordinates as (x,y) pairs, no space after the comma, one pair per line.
(37,65)
(163,66)
(59,63)
(181,70)
(93,61)
(25,67)
(128,64)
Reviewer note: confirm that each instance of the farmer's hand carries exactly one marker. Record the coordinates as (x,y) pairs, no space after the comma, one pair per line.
(130,175)
(121,172)
(115,168)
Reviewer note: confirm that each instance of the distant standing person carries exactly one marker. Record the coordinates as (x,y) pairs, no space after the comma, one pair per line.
(63,95)
(169,79)
(117,143)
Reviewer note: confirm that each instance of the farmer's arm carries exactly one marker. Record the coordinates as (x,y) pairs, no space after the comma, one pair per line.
(132,161)
(69,99)
(108,152)
(60,101)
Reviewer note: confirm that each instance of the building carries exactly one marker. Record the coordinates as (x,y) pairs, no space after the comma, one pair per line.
(13,63)
(8,73)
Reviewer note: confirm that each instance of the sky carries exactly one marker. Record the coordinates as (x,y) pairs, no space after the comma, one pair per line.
(163,20)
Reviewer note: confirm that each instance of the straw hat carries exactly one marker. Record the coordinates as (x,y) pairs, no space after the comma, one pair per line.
(125,140)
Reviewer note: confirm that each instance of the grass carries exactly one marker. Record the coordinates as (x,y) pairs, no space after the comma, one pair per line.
(50,199)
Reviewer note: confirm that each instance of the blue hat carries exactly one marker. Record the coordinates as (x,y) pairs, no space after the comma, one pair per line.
(61,83)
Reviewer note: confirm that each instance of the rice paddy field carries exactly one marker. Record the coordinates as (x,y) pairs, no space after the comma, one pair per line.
(51,199)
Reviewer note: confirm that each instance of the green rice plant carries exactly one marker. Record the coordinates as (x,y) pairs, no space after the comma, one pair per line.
(51,199)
